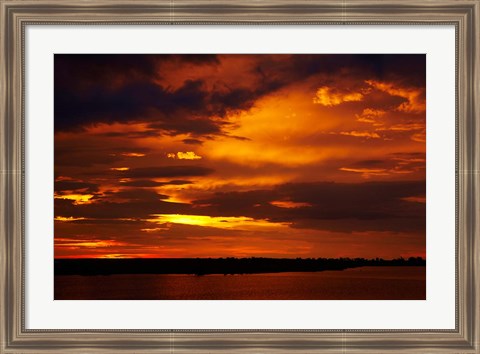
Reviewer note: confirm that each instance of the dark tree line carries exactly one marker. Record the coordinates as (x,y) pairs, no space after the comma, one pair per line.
(230,265)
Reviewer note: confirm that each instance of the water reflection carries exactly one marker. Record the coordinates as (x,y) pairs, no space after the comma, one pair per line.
(364,283)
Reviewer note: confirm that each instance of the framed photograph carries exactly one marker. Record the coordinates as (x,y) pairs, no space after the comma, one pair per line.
(207,176)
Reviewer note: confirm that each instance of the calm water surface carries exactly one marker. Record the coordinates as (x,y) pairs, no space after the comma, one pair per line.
(364,283)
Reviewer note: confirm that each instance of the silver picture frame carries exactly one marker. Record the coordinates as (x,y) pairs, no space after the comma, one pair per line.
(16,15)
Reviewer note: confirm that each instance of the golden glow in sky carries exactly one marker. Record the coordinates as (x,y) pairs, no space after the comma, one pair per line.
(224,222)
(240,155)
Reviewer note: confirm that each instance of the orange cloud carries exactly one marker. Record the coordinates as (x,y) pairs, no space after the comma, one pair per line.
(417,199)
(326,96)
(419,137)
(403,127)
(289,204)
(364,134)
(77,198)
(404,161)
(187,155)
(63,178)
(67,219)
(278,130)
(366,172)
(415,101)
(214,221)
(153,229)
(370,115)
(77,243)
(133,154)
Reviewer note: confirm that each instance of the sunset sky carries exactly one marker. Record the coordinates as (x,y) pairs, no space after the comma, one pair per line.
(239,156)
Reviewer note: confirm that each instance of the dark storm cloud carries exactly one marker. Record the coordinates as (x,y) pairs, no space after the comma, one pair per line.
(370,163)
(131,231)
(407,69)
(89,69)
(338,207)
(202,59)
(167,172)
(186,110)
(381,100)
(86,157)
(239,99)
(121,88)
(108,210)
(151,183)
(399,224)
(61,186)
(192,141)
(83,70)
(147,133)
(328,205)
(135,194)
(409,155)
(112,222)
(399,164)
(86,151)
(355,200)
(135,100)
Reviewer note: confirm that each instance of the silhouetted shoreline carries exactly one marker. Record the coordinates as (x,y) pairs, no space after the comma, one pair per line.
(204,266)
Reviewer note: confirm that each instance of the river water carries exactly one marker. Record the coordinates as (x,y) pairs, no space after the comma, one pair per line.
(364,283)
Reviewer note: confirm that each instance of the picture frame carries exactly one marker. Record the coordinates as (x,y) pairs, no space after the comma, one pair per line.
(17,14)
